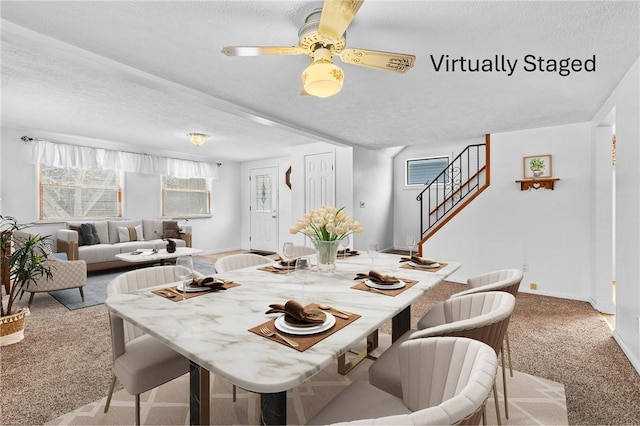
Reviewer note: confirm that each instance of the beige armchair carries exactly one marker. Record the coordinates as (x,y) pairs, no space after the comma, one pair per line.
(140,361)
(507,280)
(482,316)
(65,274)
(238,261)
(445,381)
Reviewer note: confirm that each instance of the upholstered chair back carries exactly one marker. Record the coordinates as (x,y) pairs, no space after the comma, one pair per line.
(451,377)
(132,281)
(298,251)
(447,380)
(501,280)
(482,316)
(238,261)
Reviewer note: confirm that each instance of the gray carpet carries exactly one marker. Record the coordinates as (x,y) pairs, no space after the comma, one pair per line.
(95,292)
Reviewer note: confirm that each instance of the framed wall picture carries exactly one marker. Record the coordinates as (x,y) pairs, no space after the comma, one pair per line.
(537,166)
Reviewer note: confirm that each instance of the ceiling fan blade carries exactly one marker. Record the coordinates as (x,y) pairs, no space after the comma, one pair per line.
(387,61)
(336,17)
(262,50)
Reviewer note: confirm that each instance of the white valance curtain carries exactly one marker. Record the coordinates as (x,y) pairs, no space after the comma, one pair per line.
(82,157)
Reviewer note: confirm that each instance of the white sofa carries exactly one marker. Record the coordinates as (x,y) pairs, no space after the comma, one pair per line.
(102,256)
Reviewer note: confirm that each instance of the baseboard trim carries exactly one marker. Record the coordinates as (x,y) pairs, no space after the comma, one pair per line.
(629,354)
(553,294)
(605,308)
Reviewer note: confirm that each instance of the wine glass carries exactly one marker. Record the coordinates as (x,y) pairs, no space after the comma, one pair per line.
(344,243)
(372,251)
(184,271)
(288,251)
(411,241)
(302,270)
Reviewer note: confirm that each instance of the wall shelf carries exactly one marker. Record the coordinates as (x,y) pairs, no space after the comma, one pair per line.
(529,184)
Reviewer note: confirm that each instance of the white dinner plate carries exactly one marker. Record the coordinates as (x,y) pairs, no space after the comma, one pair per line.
(281,266)
(282,325)
(194,289)
(385,286)
(427,266)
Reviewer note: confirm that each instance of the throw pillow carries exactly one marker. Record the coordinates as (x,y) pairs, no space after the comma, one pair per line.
(89,234)
(131,233)
(170,229)
(78,229)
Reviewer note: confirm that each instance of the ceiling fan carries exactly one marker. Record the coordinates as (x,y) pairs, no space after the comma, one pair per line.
(322,37)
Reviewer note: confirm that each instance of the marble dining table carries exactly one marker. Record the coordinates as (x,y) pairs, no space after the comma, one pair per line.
(212,330)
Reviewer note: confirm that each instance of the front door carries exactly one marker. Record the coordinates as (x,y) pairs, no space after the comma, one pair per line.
(263,209)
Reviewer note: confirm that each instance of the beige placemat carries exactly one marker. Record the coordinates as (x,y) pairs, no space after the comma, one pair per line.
(407,284)
(275,270)
(168,291)
(305,342)
(407,266)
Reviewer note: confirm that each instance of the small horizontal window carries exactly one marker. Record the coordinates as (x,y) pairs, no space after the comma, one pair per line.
(185,197)
(422,171)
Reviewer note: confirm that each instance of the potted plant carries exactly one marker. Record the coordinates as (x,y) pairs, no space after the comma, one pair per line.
(537,166)
(24,261)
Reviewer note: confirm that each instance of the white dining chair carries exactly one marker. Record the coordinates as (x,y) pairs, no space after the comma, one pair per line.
(507,280)
(141,362)
(482,316)
(445,381)
(241,260)
(298,251)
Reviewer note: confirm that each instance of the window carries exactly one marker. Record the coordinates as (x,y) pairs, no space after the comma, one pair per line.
(79,193)
(263,193)
(421,171)
(185,197)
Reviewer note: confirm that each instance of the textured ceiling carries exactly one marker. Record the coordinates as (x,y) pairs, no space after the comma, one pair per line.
(143,74)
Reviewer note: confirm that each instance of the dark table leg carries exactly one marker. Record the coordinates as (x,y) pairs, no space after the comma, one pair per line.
(198,394)
(274,408)
(401,323)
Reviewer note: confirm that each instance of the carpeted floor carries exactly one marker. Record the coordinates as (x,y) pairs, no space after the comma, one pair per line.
(65,360)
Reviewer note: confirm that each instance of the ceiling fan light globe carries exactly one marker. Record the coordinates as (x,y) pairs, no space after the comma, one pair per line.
(322,79)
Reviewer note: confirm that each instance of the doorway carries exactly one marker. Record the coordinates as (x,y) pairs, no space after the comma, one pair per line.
(263,209)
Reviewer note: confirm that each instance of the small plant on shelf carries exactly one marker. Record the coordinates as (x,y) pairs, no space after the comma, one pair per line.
(537,166)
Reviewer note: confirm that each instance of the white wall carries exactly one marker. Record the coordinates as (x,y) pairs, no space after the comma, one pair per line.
(626,101)
(373,184)
(506,227)
(142,196)
(291,201)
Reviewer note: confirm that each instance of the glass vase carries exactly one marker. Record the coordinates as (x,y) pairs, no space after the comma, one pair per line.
(326,252)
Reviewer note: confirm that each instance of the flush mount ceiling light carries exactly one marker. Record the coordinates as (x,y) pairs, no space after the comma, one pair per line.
(197,138)
(322,78)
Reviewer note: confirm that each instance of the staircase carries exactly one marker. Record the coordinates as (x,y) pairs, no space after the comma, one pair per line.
(463,180)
